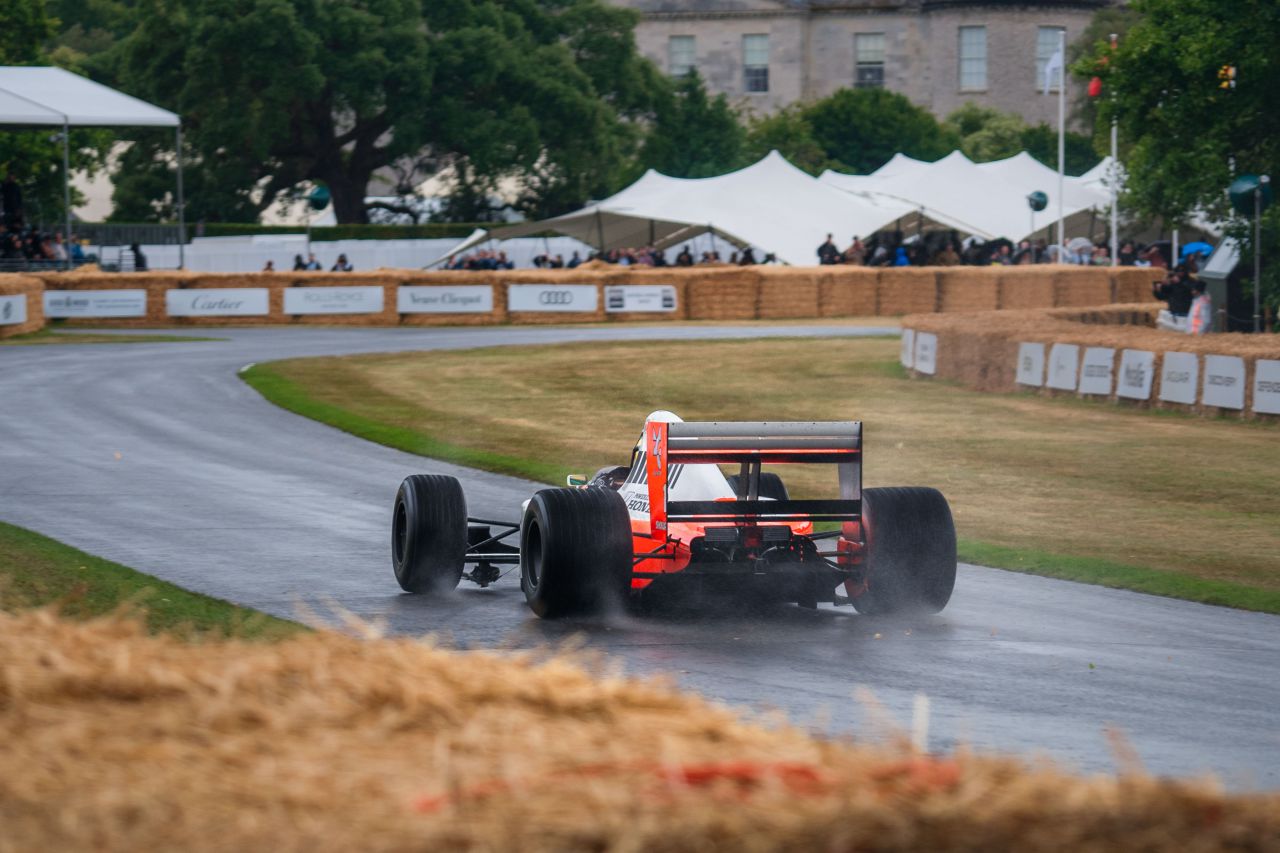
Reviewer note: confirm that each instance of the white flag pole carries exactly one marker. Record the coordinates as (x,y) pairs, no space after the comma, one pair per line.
(1115,171)
(1062,135)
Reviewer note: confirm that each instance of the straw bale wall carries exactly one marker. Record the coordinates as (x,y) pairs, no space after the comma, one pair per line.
(120,741)
(1133,284)
(702,293)
(980,350)
(33,289)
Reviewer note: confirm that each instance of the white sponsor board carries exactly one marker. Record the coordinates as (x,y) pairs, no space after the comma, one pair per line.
(907,355)
(1266,387)
(217,302)
(1223,381)
(1137,370)
(1064,366)
(926,360)
(333,300)
(60,304)
(1179,376)
(646,298)
(1095,371)
(1030,364)
(13,309)
(451,299)
(552,297)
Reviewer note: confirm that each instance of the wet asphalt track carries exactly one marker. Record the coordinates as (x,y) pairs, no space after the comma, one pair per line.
(221,492)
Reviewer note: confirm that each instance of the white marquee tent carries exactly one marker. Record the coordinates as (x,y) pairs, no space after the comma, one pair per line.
(771,205)
(54,97)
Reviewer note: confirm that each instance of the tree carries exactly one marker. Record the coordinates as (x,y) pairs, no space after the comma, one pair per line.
(788,132)
(693,135)
(275,93)
(864,128)
(1183,133)
(988,134)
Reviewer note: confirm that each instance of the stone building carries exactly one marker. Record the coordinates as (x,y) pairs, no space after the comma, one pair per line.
(765,54)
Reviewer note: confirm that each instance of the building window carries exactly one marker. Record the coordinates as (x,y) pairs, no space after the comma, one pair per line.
(868,57)
(682,53)
(755,63)
(973,59)
(1046,47)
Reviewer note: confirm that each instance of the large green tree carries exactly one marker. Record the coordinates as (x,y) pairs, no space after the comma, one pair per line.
(693,135)
(863,128)
(278,93)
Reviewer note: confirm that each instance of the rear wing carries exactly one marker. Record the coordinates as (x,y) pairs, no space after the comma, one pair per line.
(749,444)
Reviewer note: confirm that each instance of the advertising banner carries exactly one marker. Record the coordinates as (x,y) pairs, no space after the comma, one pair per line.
(907,355)
(926,360)
(13,309)
(217,302)
(446,299)
(61,304)
(1030,364)
(1137,371)
(1223,381)
(640,298)
(1266,387)
(1095,371)
(1179,376)
(553,297)
(1064,366)
(333,300)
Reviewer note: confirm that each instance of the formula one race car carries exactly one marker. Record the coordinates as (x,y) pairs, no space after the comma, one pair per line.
(672,517)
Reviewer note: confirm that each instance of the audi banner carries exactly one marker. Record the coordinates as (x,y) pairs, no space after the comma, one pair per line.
(553,297)
(639,298)
(333,300)
(217,302)
(95,303)
(13,310)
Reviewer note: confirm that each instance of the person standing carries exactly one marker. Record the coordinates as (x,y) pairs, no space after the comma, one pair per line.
(343,265)
(828,253)
(1200,317)
(139,259)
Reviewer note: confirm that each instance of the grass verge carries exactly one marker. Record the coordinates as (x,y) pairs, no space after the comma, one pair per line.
(1183,507)
(48,337)
(37,571)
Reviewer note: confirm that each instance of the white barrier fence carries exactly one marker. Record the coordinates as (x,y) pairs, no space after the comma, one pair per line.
(1220,382)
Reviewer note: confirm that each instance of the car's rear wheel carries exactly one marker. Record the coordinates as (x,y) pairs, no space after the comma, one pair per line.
(771,486)
(911,550)
(429,533)
(575,551)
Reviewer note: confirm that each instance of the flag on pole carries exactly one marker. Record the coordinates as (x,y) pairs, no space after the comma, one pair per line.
(1055,63)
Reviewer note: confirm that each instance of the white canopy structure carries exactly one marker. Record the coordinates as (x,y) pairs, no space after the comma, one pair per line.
(771,205)
(985,199)
(54,97)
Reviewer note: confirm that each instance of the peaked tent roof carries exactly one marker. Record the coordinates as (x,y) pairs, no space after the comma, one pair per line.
(38,96)
(771,205)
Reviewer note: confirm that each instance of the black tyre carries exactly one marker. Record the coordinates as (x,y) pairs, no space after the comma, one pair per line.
(911,550)
(429,533)
(575,551)
(771,486)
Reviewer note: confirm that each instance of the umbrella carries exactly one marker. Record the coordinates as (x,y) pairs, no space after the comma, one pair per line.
(1080,244)
(1197,248)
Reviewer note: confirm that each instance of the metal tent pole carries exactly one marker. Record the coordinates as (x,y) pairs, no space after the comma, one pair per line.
(1115,169)
(66,188)
(1062,137)
(1257,257)
(182,202)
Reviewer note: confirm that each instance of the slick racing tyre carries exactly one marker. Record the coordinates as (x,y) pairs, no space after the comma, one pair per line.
(429,533)
(771,486)
(575,552)
(911,551)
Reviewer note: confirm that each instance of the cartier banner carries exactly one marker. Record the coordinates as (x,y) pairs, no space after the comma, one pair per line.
(217,302)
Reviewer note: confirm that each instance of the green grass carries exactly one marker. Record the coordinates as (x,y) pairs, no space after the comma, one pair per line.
(36,571)
(1178,506)
(46,337)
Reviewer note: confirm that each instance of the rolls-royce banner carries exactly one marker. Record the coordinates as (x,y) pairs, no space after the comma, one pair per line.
(1137,370)
(217,302)
(1179,376)
(1030,364)
(13,310)
(1223,381)
(455,299)
(908,353)
(333,300)
(1095,371)
(639,298)
(63,304)
(552,297)
(926,353)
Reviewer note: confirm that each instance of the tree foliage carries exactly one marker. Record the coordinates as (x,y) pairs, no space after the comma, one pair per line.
(863,128)
(987,134)
(693,134)
(789,132)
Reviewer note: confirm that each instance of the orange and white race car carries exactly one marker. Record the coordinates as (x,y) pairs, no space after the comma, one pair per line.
(672,517)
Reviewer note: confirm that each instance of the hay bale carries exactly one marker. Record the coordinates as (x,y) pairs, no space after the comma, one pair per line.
(968,288)
(847,291)
(1026,287)
(906,290)
(1133,284)
(788,292)
(1074,286)
(730,293)
(32,289)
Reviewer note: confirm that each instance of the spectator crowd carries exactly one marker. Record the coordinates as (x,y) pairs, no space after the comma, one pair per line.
(947,249)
